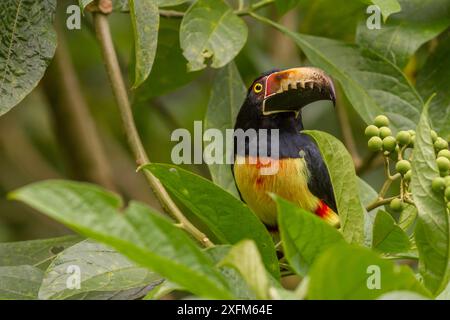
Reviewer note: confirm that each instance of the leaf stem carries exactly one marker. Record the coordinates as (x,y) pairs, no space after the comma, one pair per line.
(120,93)
(379,203)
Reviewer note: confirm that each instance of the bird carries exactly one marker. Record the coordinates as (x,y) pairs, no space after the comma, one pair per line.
(275,101)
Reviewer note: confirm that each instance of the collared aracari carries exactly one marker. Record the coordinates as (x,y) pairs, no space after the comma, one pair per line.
(274,101)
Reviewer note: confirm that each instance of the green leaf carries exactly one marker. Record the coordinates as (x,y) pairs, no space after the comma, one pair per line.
(169,70)
(345,185)
(100,268)
(227,95)
(137,232)
(227,218)
(245,258)
(434,77)
(162,290)
(445,294)
(145,20)
(239,287)
(404,33)
(84,3)
(407,218)
(347,272)
(211,31)
(367,196)
(170,3)
(20,282)
(283,6)
(129,294)
(373,84)
(27,45)
(38,253)
(304,235)
(338,23)
(402,295)
(433,226)
(387,7)
(388,237)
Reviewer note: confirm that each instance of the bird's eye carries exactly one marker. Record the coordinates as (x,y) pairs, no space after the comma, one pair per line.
(258,88)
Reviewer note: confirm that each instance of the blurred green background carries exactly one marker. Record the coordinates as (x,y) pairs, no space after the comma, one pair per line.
(32,148)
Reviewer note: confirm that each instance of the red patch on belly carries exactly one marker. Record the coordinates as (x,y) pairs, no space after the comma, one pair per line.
(322,209)
(259,181)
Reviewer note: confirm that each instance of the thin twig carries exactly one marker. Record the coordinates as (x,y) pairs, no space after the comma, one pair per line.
(379,203)
(134,141)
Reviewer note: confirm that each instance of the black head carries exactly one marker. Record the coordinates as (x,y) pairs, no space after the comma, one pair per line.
(278,96)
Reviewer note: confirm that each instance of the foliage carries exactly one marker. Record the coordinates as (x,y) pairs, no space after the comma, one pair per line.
(133,251)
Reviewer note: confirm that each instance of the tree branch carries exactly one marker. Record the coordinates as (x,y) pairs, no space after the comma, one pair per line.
(120,93)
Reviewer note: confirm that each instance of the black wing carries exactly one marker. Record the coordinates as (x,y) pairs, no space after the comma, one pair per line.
(319,183)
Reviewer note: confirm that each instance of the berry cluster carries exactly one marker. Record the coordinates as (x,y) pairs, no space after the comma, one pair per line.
(381,140)
(442,184)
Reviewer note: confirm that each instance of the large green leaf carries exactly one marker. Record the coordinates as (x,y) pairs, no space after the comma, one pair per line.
(211,31)
(433,226)
(38,253)
(170,3)
(373,84)
(20,282)
(136,231)
(346,272)
(388,237)
(398,39)
(227,217)
(345,185)
(387,7)
(169,70)
(367,196)
(227,96)
(434,77)
(245,258)
(145,20)
(402,295)
(304,235)
(100,268)
(236,282)
(27,45)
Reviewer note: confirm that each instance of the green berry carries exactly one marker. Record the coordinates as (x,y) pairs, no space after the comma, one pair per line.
(396,204)
(438,184)
(372,131)
(413,140)
(434,135)
(447,193)
(443,164)
(381,121)
(444,153)
(403,138)
(408,175)
(389,143)
(403,166)
(412,132)
(375,144)
(385,132)
(440,144)
(447,181)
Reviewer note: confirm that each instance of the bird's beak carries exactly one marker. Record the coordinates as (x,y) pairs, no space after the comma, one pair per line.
(292,89)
